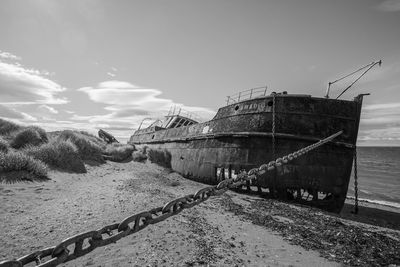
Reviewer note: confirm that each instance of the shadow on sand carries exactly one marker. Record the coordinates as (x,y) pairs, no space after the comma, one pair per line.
(382,216)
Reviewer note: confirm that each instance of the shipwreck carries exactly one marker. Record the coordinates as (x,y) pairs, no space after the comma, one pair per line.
(255,127)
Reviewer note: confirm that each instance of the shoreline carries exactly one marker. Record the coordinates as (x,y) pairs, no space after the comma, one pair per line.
(384,203)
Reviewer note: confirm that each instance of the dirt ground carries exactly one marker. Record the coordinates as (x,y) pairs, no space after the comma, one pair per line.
(229,230)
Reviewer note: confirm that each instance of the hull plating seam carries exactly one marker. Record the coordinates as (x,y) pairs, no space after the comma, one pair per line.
(242,135)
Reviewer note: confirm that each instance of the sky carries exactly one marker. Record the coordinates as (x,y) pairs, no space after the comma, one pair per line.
(69,64)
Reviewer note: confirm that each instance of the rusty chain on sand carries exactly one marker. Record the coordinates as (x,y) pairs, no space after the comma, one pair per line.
(86,242)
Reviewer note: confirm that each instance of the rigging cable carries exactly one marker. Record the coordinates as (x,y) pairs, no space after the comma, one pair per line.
(379,62)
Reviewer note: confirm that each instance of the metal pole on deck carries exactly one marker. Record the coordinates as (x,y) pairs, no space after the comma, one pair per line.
(327,90)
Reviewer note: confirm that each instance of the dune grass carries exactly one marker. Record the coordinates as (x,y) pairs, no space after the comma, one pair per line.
(26,152)
(140,155)
(97,140)
(30,136)
(8,127)
(16,166)
(3,145)
(59,154)
(160,156)
(89,148)
(119,152)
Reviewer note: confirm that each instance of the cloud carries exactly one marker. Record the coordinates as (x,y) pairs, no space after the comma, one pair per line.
(48,109)
(389,6)
(127,112)
(386,134)
(381,115)
(129,104)
(11,113)
(57,125)
(6,112)
(123,93)
(385,106)
(123,97)
(380,122)
(19,85)
(111,74)
(7,55)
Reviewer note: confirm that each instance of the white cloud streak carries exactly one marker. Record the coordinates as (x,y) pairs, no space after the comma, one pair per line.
(19,85)
(12,113)
(48,109)
(7,55)
(129,104)
(122,96)
(385,106)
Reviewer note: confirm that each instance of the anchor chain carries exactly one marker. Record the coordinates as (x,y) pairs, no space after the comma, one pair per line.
(273,123)
(274,181)
(111,233)
(355,183)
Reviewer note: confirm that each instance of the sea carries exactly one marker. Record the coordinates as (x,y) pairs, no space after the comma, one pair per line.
(378,171)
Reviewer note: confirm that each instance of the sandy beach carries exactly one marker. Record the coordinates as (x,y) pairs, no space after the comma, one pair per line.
(223,231)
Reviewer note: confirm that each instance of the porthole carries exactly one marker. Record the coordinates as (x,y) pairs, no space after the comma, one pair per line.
(152,137)
(237,107)
(270,103)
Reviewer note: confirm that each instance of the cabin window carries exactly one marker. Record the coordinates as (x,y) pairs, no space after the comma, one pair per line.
(152,137)
(220,173)
(233,174)
(227,173)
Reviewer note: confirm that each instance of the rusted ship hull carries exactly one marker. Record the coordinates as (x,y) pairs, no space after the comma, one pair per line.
(243,136)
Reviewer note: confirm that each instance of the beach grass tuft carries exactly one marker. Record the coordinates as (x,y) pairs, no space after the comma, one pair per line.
(28,150)
(16,166)
(7,127)
(89,148)
(119,152)
(3,145)
(140,155)
(30,136)
(59,154)
(161,157)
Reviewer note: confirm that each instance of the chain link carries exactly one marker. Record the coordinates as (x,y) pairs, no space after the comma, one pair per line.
(137,222)
(273,123)
(355,183)
(274,181)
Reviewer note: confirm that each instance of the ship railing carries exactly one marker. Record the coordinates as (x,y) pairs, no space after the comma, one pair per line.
(247,94)
(178,111)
